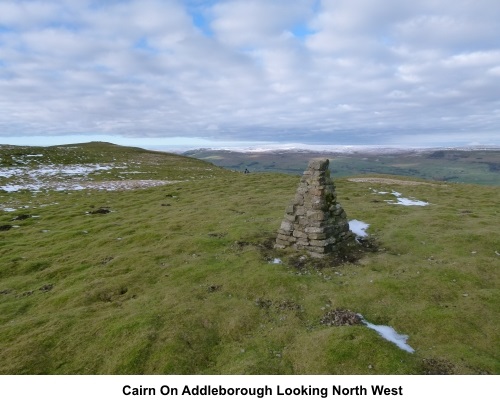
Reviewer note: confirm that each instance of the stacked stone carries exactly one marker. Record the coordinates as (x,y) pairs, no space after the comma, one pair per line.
(314,221)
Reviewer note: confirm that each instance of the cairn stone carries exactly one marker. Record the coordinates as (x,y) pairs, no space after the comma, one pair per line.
(314,221)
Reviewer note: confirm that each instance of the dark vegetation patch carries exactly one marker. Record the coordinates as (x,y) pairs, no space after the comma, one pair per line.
(214,288)
(301,261)
(494,167)
(46,287)
(21,217)
(280,305)
(6,227)
(437,367)
(102,210)
(439,154)
(107,294)
(236,211)
(217,235)
(106,260)
(340,317)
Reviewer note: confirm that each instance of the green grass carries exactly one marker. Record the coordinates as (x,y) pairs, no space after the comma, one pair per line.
(176,279)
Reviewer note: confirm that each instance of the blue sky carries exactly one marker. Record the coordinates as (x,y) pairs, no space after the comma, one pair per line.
(229,72)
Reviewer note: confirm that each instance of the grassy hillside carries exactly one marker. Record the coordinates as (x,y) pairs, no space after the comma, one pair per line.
(178,278)
(456,166)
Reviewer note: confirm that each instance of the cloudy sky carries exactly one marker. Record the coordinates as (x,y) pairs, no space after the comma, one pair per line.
(160,72)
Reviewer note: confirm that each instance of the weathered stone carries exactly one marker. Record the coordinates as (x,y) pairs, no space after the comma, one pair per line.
(299,234)
(317,215)
(283,232)
(300,211)
(318,164)
(323,242)
(315,221)
(302,241)
(313,229)
(317,236)
(286,226)
(284,238)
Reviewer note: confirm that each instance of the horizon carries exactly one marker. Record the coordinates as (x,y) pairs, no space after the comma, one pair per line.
(268,147)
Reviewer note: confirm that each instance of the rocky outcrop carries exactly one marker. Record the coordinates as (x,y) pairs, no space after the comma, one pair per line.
(314,221)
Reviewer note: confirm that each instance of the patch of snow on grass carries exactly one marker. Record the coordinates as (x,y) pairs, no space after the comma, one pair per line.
(401,200)
(389,334)
(62,178)
(407,202)
(358,227)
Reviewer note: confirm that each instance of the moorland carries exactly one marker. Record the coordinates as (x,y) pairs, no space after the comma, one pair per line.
(118,260)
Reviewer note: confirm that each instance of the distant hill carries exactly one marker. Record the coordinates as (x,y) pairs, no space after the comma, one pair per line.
(474,166)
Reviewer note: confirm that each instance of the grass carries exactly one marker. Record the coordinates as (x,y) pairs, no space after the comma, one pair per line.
(176,279)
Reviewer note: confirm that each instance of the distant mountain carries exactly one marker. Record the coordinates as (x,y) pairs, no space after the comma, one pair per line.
(472,164)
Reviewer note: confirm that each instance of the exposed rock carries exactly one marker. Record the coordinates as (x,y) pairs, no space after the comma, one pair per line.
(46,287)
(102,210)
(314,221)
(21,217)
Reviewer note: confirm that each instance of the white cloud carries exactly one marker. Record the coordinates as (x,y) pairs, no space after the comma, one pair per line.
(358,71)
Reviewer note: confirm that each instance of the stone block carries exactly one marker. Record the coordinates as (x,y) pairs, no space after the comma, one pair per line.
(320,243)
(300,211)
(284,238)
(318,164)
(285,233)
(313,229)
(315,215)
(317,236)
(286,226)
(300,234)
(302,242)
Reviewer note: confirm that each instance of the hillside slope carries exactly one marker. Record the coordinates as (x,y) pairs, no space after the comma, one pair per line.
(181,278)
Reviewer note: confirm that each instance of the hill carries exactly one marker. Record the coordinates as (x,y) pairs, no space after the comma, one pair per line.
(473,166)
(104,271)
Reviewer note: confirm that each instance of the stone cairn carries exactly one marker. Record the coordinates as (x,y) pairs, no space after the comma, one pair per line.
(314,221)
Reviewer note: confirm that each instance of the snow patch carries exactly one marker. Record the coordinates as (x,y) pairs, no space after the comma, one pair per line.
(358,228)
(408,202)
(401,200)
(389,334)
